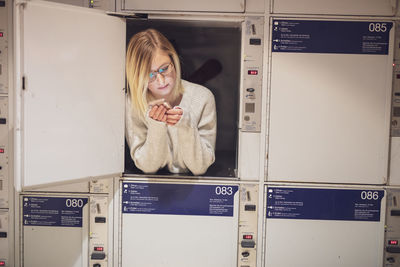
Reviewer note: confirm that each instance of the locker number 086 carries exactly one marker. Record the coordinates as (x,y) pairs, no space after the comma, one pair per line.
(369,195)
(223,190)
(74,203)
(377,27)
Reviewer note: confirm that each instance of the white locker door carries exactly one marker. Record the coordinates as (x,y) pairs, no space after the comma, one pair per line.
(395,161)
(330,101)
(187,5)
(69,108)
(321,226)
(180,225)
(336,7)
(55,231)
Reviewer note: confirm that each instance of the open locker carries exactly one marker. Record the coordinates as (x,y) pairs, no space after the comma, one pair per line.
(69,100)
(209,54)
(70,89)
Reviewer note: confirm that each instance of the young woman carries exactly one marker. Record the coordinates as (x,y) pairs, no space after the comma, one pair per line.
(169,122)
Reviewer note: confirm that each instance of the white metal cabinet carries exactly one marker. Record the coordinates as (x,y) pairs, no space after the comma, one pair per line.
(52,227)
(4,153)
(392,228)
(69,108)
(395,161)
(178,224)
(330,91)
(311,226)
(336,7)
(177,5)
(5,237)
(64,230)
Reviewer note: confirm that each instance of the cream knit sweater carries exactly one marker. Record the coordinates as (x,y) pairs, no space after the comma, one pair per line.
(186,146)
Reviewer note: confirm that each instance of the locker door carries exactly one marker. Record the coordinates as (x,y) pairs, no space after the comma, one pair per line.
(69,107)
(324,226)
(330,101)
(178,224)
(336,7)
(174,5)
(55,230)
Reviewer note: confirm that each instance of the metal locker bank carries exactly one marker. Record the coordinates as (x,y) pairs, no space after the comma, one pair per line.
(306,169)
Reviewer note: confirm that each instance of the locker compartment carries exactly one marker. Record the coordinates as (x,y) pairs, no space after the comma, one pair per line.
(222,56)
(184,223)
(4,72)
(395,161)
(176,5)
(330,101)
(336,7)
(323,226)
(4,175)
(392,230)
(394,174)
(5,237)
(79,223)
(87,112)
(107,5)
(210,54)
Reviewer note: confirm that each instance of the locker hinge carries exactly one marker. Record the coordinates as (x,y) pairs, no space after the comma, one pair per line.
(21,3)
(23,82)
(394,4)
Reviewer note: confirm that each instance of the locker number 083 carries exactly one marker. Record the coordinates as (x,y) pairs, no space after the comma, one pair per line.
(223,190)
(369,195)
(74,203)
(377,27)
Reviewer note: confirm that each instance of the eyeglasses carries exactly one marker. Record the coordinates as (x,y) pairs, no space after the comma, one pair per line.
(164,70)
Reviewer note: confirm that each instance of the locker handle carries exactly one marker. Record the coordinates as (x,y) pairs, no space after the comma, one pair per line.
(395,213)
(393,249)
(98,256)
(100,219)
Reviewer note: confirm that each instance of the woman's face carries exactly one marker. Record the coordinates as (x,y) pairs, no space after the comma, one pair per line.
(164,80)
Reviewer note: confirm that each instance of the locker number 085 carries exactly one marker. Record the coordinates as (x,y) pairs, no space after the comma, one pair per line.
(223,190)
(369,195)
(377,27)
(74,203)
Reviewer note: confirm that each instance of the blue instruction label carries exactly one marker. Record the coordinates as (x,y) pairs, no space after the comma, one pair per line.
(178,199)
(53,211)
(343,37)
(324,204)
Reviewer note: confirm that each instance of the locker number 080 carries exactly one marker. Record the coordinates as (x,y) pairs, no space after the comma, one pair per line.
(369,195)
(377,27)
(74,203)
(223,190)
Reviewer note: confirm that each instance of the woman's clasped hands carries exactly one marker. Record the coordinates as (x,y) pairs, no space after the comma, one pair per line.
(162,111)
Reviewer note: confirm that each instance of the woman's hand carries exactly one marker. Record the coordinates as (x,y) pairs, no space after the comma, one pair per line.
(174,115)
(158,113)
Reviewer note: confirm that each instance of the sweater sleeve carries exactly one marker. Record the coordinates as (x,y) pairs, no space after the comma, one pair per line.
(197,138)
(147,140)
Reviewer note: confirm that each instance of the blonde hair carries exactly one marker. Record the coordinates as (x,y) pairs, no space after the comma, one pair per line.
(139,56)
